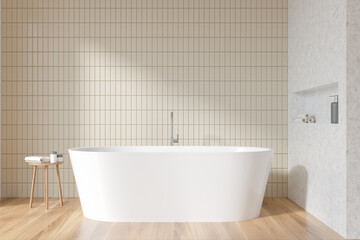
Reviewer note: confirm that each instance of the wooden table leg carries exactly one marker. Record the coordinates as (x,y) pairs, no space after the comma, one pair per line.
(46,187)
(32,187)
(59,183)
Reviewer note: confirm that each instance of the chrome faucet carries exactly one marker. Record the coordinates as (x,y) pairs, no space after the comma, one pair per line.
(172,140)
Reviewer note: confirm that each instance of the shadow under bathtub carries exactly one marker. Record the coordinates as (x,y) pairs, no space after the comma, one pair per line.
(298,180)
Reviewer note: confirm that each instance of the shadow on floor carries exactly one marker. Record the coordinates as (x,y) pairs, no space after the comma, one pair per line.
(298,180)
(298,185)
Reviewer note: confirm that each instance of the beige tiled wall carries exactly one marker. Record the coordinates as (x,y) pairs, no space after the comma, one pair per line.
(90,72)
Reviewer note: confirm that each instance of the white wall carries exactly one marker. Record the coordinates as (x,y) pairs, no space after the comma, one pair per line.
(353,119)
(317,69)
(0,99)
(324,159)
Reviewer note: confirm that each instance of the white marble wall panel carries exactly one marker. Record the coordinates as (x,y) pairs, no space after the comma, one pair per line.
(317,43)
(353,119)
(317,152)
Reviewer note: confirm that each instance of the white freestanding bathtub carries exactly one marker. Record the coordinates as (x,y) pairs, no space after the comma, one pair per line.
(171,184)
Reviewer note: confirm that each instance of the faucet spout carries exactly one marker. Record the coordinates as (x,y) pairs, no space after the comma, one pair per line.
(172,140)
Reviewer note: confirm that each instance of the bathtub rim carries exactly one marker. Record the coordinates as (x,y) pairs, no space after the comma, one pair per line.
(171,149)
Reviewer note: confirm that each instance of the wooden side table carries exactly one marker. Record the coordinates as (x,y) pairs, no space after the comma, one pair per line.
(46,165)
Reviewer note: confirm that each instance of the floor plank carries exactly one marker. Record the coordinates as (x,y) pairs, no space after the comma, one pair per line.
(280,219)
